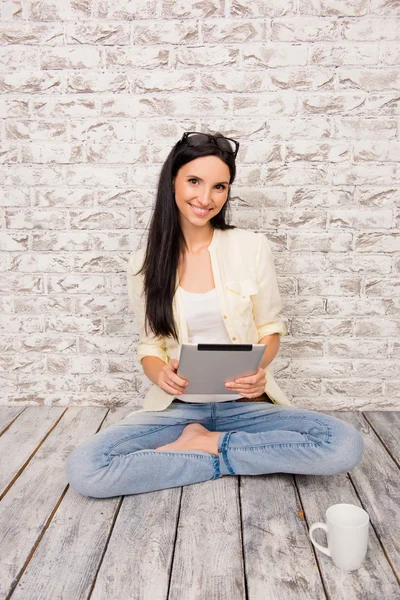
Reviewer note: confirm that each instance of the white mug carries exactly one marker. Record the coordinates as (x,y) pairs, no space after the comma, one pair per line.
(347,528)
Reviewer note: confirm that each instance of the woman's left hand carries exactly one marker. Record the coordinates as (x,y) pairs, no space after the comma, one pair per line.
(250,386)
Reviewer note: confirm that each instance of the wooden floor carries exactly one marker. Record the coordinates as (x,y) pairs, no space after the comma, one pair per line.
(234,538)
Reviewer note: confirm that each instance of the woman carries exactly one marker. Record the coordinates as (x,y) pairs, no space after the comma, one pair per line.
(201,279)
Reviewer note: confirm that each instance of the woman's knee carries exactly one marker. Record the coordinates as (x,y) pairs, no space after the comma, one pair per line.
(79,470)
(347,447)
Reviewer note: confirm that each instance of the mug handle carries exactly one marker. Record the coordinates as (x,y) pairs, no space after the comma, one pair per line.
(322,548)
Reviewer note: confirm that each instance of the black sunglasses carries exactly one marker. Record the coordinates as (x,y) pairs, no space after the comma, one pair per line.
(195,138)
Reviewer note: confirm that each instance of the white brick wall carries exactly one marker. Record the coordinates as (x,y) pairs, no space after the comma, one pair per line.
(92,97)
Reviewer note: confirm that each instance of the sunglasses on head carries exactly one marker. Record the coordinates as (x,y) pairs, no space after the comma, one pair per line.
(195,138)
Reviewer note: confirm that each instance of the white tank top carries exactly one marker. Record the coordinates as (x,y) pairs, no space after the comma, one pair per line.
(205,325)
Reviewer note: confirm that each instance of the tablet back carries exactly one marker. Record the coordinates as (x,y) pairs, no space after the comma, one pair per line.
(208,366)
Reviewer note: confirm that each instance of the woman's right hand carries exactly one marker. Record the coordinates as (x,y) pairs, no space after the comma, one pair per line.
(169,381)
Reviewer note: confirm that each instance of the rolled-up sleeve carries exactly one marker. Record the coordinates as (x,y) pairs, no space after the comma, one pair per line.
(267,302)
(149,344)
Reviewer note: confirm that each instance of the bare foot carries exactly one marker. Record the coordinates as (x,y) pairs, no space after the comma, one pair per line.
(195,437)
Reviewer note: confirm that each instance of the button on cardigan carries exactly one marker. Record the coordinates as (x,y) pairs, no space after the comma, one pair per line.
(248,296)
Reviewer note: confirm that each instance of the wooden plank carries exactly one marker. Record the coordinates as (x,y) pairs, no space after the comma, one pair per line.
(279,559)
(67,559)
(26,508)
(23,437)
(377,481)
(386,424)
(8,414)
(208,561)
(375,579)
(138,559)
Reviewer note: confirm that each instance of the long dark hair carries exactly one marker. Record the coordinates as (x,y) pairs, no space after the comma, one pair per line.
(166,242)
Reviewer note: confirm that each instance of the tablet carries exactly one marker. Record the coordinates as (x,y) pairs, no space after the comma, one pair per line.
(208,366)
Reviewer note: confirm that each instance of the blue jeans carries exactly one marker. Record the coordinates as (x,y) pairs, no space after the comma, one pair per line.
(256,438)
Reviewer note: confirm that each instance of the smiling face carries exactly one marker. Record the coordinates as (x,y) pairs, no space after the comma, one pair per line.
(201,190)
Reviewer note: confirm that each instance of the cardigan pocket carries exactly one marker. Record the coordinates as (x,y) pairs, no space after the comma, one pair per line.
(239,295)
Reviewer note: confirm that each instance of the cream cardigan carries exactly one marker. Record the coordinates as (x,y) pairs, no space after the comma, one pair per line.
(248,295)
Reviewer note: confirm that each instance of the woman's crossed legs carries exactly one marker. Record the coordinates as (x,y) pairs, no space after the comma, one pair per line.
(254,438)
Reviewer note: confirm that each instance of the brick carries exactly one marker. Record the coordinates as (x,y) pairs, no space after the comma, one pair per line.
(36,219)
(372,368)
(221,31)
(267,103)
(102,130)
(135,198)
(321,326)
(48,34)
(67,57)
(329,286)
(62,197)
(117,153)
(377,327)
(43,384)
(103,305)
(54,10)
(284,128)
(369,79)
(91,82)
(125,11)
(291,173)
(305,29)
(306,150)
(385,7)
(293,219)
(98,344)
(118,240)
(9,153)
(371,28)
(361,219)
(100,34)
(33,262)
(359,263)
(304,306)
(358,54)
(7,344)
(68,106)
(333,7)
(289,263)
(19,57)
(35,130)
(355,174)
(10,241)
(260,8)
(352,387)
(99,175)
(137,57)
(332,104)
(179,9)
(258,197)
(207,56)
(20,284)
(274,55)
(27,362)
(357,306)
(99,219)
(165,32)
(390,53)
(30,83)
(20,324)
(76,284)
(99,263)
(377,242)
(14,107)
(232,81)
(23,175)
(385,288)
(301,348)
(43,304)
(319,242)
(121,325)
(45,153)
(376,196)
(384,103)
(307,78)
(321,368)
(369,150)
(84,364)
(365,128)
(155,81)
(73,324)
(13,197)
(352,348)
(59,241)
(247,219)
